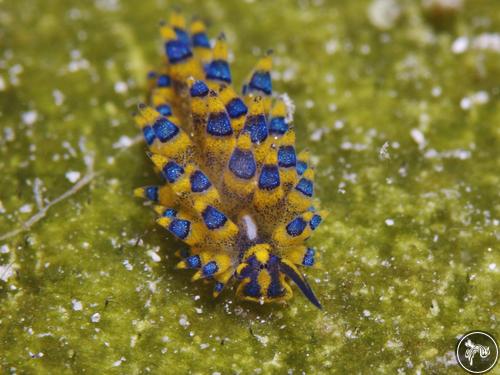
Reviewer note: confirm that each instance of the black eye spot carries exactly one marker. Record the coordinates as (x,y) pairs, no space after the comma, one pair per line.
(261,266)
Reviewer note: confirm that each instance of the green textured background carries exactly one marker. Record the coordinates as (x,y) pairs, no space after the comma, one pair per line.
(395,296)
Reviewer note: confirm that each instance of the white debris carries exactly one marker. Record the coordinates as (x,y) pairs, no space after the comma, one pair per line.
(383,152)
(26,208)
(119,362)
(123,142)
(121,87)
(72,176)
(482,42)
(290,107)
(4,249)
(443,5)
(465,103)
(366,313)
(339,124)
(6,271)
(58,97)
(154,256)
(309,103)
(14,72)
(77,305)
(487,42)
(9,134)
(436,91)
(264,340)
(389,222)
(127,265)
(475,99)
(183,321)
(95,318)
(418,137)
(29,117)
(331,46)
(77,63)
(317,134)
(435,308)
(383,14)
(492,266)
(460,45)
(350,334)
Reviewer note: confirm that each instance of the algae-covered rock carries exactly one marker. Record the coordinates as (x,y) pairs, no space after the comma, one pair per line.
(401,121)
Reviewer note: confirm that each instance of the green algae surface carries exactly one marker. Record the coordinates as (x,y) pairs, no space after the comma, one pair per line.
(398,102)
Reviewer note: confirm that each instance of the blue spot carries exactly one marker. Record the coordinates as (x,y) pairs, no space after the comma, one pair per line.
(149,134)
(182,35)
(257,127)
(172,171)
(210,268)
(301,167)
(269,177)
(164,110)
(213,218)
(180,228)
(199,182)
(163,81)
(199,89)
(177,51)
(151,74)
(200,40)
(242,164)
(286,156)
(193,261)
(309,257)
(278,125)
(219,124)
(165,129)
(252,289)
(236,108)
(218,287)
(261,81)
(315,221)
(306,187)
(219,69)
(169,212)
(296,227)
(152,193)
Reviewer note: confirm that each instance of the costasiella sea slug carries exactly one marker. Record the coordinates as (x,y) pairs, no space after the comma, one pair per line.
(236,192)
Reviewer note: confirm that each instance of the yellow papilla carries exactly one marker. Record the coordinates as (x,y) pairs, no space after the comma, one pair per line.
(177,20)
(265,64)
(256,106)
(265,199)
(167,33)
(282,238)
(279,109)
(220,51)
(186,68)
(215,104)
(197,26)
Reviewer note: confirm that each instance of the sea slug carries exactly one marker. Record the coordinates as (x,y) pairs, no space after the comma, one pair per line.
(236,192)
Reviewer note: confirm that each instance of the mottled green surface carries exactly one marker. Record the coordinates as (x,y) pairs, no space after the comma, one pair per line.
(410,250)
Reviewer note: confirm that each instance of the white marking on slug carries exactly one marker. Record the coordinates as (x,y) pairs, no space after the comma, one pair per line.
(250,227)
